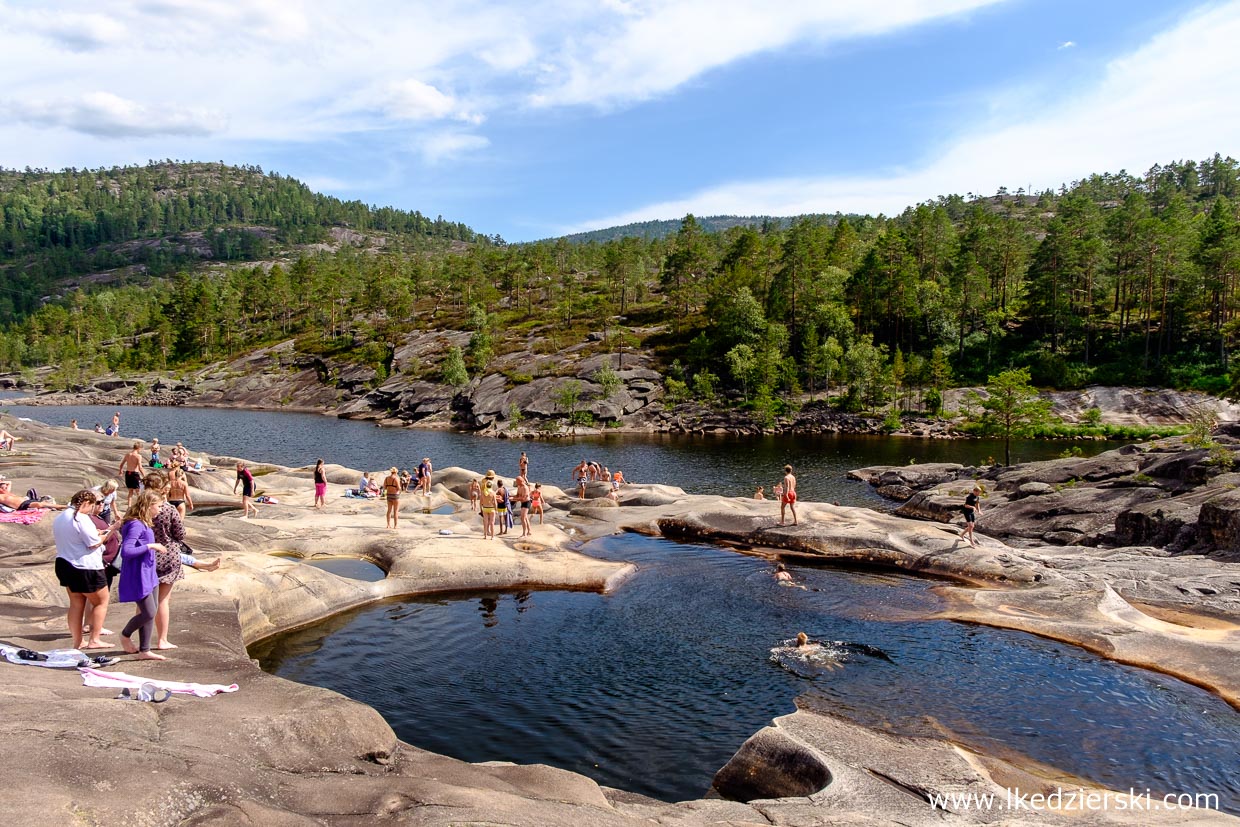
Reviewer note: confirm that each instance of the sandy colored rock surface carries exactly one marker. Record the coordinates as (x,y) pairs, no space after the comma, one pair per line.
(277,752)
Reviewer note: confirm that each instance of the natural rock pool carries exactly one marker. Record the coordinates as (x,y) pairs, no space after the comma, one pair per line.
(653,687)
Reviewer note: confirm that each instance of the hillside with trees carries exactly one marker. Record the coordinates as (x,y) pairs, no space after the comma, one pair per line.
(164,217)
(1115,279)
(651,230)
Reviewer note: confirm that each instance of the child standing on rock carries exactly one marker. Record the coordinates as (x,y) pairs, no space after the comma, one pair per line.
(971,508)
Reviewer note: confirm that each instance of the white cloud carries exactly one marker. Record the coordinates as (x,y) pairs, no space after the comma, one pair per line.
(105,115)
(288,69)
(78,32)
(1067,44)
(656,47)
(1173,98)
(417,101)
(442,146)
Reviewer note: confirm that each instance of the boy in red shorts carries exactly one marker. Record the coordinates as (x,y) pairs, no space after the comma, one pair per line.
(788,499)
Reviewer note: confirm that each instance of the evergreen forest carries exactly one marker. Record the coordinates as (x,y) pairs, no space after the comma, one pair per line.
(1113,279)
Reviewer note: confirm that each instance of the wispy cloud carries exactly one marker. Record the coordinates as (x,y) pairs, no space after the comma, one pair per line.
(279,68)
(442,146)
(104,115)
(1067,44)
(648,49)
(1172,98)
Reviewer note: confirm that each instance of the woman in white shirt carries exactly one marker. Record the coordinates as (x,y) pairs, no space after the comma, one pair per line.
(79,567)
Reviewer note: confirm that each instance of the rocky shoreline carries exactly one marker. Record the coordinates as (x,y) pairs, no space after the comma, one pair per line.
(277,752)
(521,395)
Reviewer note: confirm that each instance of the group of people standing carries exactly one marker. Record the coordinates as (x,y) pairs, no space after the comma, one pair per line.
(498,505)
(146,548)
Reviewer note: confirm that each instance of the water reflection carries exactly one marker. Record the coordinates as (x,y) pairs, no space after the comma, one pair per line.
(699,464)
(653,687)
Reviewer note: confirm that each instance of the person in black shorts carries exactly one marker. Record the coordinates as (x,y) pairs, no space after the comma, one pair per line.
(11,502)
(80,567)
(972,507)
(131,470)
(246,480)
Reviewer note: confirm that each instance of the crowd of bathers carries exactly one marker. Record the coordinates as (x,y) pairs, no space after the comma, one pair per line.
(591,471)
(144,550)
(501,507)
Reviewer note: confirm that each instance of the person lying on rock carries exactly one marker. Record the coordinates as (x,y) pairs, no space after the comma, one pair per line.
(11,502)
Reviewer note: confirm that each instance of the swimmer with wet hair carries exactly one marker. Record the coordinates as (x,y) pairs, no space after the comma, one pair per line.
(802,640)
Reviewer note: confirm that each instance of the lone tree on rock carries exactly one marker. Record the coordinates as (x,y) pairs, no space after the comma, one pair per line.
(1012,408)
(454,372)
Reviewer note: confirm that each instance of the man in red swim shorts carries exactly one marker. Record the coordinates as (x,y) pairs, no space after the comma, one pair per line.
(788,499)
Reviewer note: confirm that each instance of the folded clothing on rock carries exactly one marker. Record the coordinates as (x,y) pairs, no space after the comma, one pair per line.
(54,658)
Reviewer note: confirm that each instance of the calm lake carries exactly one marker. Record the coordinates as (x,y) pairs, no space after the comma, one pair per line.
(700,465)
(653,687)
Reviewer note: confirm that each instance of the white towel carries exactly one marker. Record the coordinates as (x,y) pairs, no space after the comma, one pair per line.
(118,680)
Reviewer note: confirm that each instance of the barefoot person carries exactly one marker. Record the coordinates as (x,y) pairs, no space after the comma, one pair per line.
(246,480)
(320,485)
(521,499)
(131,470)
(169,533)
(971,508)
(788,497)
(536,501)
(487,503)
(475,489)
(7,440)
(391,494)
(116,424)
(139,582)
(424,474)
(80,568)
(11,502)
(501,507)
(178,491)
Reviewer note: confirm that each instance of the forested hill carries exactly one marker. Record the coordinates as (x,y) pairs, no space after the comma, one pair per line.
(651,230)
(1117,279)
(61,224)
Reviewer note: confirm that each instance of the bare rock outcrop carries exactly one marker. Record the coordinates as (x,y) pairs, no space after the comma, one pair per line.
(276,752)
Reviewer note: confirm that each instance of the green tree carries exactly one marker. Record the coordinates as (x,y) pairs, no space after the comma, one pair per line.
(743,365)
(608,381)
(567,397)
(685,267)
(1012,408)
(481,343)
(454,372)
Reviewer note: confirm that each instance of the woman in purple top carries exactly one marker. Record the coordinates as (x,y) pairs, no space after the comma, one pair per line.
(139,582)
(170,533)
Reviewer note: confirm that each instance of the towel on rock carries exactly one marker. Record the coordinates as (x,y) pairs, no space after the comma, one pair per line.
(120,680)
(28,517)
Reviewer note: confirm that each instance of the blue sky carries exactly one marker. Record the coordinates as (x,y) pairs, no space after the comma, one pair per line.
(538,118)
